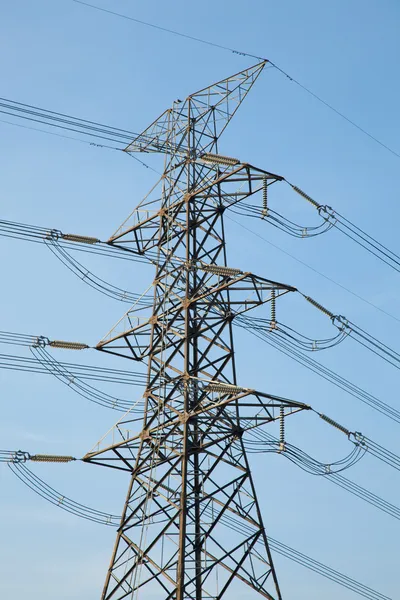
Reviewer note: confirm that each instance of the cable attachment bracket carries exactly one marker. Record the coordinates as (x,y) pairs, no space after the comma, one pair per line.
(20,456)
(327,213)
(359,439)
(341,323)
(40,342)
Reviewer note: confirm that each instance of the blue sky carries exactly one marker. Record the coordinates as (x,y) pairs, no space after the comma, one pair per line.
(71,59)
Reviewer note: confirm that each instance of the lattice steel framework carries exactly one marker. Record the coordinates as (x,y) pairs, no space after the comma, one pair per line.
(186,458)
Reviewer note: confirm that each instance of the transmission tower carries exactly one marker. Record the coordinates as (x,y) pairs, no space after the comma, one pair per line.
(186,457)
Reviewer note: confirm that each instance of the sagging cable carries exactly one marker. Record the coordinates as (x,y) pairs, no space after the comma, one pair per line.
(353,232)
(48,493)
(301,358)
(83,389)
(350,329)
(83,511)
(87,276)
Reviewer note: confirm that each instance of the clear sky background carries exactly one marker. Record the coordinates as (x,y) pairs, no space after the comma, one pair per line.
(69,58)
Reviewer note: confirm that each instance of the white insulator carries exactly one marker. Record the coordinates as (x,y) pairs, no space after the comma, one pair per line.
(218,159)
(83,239)
(221,270)
(68,345)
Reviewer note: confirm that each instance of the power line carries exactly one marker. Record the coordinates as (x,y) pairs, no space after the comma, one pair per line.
(76,371)
(321,370)
(172,31)
(330,218)
(63,121)
(242,53)
(161,402)
(301,262)
(47,492)
(265,441)
(93,128)
(336,111)
(60,135)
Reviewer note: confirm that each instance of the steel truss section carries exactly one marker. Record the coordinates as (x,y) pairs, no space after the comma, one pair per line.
(188,466)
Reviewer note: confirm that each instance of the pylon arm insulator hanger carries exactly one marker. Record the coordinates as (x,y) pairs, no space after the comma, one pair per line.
(247,291)
(243,282)
(141,232)
(254,408)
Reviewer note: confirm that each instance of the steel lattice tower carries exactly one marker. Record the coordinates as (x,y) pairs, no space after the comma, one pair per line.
(186,456)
